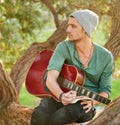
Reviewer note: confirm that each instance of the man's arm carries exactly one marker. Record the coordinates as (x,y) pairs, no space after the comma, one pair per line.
(52,84)
(55,89)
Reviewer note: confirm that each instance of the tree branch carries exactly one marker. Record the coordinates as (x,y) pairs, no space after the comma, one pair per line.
(8,92)
(55,15)
(114,41)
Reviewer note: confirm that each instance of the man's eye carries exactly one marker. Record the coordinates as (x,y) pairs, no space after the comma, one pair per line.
(73,26)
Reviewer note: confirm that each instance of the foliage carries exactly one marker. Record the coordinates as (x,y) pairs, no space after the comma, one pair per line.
(67,6)
(21,24)
(101,35)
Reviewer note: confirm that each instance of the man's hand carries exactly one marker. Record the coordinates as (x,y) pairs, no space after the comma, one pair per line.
(71,97)
(68,97)
(87,105)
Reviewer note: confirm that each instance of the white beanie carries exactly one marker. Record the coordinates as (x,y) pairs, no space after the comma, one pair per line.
(87,19)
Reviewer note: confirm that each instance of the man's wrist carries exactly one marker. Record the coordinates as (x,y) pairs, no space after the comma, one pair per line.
(60,97)
(92,102)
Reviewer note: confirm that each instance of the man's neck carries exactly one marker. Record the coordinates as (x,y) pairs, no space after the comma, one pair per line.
(83,45)
(85,50)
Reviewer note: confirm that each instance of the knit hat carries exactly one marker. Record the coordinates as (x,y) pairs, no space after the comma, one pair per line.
(87,19)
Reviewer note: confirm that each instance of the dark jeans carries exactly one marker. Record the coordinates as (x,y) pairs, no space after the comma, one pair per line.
(51,112)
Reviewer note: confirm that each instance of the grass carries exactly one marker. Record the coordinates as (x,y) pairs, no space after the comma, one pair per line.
(115,88)
(29,100)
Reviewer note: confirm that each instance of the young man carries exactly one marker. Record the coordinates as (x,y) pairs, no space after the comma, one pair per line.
(95,61)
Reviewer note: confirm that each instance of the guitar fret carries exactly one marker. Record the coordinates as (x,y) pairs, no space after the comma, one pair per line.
(88,93)
(71,86)
(82,91)
(79,91)
(74,86)
(98,98)
(93,96)
(77,88)
(103,99)
(107,101)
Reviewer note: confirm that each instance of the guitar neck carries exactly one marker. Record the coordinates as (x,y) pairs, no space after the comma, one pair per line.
(82,90)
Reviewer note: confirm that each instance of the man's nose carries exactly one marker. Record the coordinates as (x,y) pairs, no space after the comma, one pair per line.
(68,29)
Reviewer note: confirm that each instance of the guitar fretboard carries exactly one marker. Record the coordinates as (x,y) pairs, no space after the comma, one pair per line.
(82,90)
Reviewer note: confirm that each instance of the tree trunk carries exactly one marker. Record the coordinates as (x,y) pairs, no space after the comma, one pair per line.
(11,113)
(114,42)
(110,116)
(15,114)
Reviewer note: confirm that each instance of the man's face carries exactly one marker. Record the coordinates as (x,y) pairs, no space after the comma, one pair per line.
(74,30)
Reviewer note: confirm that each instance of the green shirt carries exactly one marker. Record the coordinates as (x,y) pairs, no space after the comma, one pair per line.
(99,71)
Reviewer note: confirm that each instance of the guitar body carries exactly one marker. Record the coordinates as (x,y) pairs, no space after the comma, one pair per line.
(35,80)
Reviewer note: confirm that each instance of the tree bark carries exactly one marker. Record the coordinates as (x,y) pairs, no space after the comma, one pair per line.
(55,15)
(114,41)
(8,92)
(110,116)
(15,114)
(11,113)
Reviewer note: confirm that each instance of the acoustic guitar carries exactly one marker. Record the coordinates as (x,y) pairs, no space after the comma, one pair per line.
(70,79)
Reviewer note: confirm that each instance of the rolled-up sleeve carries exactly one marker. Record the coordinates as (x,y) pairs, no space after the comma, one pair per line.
(106,76)
(57,60)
